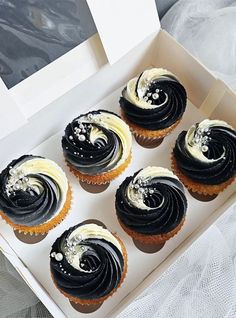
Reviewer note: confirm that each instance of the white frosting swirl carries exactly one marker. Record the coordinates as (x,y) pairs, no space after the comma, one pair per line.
(197,138)
(23,176)
(111,122)
(138,87)
(75,248)
(136,189)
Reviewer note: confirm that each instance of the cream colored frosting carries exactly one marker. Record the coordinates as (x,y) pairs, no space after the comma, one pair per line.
(195,146)
(146,78)
(114,123)
(136,196)
(41,166)
(83,232)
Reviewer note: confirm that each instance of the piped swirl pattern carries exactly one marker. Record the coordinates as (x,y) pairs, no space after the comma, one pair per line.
(87,262)
(151,202)
(206,153)
(32,190)
(97,142)
(154,100)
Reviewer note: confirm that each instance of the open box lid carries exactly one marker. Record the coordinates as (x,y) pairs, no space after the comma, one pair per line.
(123,24)
(120,27)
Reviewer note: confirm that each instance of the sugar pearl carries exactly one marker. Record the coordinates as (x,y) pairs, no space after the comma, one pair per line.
(204,148)
(59,257)
(155,96)
(81,138)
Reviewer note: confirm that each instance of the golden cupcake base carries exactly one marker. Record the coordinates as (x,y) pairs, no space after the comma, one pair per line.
(201,192)
(148,135)
(103,178)
(150,243)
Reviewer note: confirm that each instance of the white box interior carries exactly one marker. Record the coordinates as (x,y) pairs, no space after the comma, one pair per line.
(160,51)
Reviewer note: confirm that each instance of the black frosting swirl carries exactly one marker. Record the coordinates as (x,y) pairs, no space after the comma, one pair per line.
(160,117)
(21,201)
(164,195)
(103,265)
(99,156)
(221,146)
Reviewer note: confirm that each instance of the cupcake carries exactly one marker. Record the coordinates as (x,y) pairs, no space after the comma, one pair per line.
(152,104)
(34,194)
(97,148)
(88,264)
(204,158)
(151,206)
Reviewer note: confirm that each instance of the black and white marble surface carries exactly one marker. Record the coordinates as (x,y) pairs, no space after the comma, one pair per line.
(33,33)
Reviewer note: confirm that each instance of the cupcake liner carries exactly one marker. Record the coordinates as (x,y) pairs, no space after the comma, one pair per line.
(148,134)
(148,142)
(85,309)
(46,227)
(205,189)
(102,299)
(151,239)
(28,238)
(103,178)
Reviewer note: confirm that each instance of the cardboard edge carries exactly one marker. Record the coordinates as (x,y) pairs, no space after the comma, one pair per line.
(188,77)
(10,114)
(34,93)
(101,19)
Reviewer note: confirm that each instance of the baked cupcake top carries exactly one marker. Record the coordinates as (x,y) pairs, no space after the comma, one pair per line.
(206,153)
(97,142)
(151,202)
(32,190)
(154,100)
(87,261)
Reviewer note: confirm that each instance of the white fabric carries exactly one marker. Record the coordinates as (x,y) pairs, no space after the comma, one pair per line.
(200,284)
(207,28)
(16,299)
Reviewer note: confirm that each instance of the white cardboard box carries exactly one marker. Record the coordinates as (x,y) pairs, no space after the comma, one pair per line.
(208,97)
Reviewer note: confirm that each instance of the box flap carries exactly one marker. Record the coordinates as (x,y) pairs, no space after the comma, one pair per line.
(10,115)
(123,24)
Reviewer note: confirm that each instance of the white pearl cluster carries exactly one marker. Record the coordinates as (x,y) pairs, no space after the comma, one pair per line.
(80,132)
(201,138)
(140,186)
(59,257)
(151,98)
(17,181)
(153,95)
(72,247)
